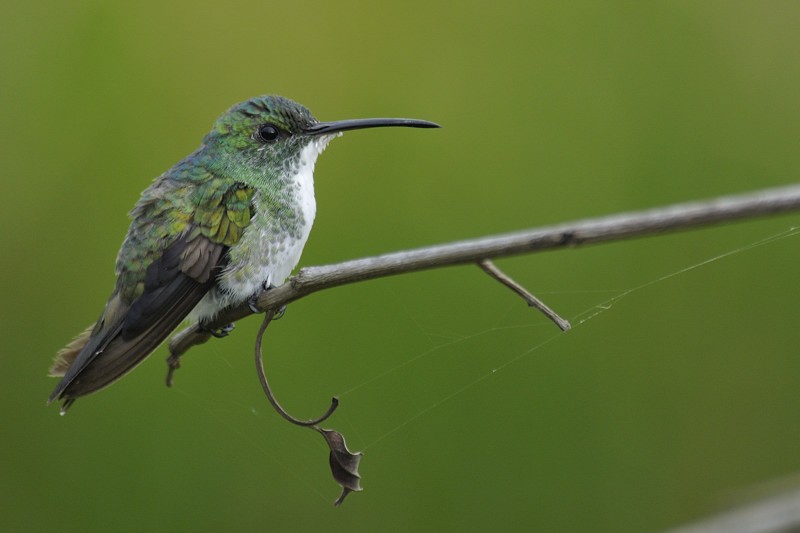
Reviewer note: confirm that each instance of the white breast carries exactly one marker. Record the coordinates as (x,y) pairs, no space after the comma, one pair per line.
(269,250)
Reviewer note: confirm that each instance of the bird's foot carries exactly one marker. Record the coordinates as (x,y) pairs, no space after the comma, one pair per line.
(220,333)
(252,302)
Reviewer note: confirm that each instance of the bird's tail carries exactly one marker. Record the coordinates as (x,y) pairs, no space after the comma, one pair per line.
(68,353)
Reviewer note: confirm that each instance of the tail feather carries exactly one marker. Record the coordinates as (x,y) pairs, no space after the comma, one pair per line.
(106,355)
(66,355)
(127,332)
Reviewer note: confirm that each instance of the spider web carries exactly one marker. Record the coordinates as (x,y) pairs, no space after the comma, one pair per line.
(442,341)
(579,320)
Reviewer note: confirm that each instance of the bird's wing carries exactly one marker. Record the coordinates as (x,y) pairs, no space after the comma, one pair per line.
(170,259)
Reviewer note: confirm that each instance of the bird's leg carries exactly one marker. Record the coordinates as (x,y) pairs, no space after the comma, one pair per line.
(220,333)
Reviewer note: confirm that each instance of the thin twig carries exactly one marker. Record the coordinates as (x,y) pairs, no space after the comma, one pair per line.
(268,316)
(609,228)
(772,513)
(491,269)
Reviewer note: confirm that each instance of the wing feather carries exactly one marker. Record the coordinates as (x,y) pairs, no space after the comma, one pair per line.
(183,256)
(169,295)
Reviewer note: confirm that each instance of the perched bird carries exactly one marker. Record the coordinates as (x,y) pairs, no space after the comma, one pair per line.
(210,232)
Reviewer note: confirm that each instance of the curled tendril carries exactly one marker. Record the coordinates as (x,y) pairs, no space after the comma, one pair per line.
(343,463)
(268,317)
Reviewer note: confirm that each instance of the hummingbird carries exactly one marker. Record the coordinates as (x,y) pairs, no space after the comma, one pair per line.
(226,221)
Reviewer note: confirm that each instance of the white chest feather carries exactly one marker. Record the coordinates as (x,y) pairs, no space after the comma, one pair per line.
(272,244)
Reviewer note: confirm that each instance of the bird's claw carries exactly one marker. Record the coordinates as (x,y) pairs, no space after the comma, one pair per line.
(220,333)
(252,302)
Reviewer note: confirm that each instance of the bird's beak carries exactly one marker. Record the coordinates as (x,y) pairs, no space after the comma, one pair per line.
(324,128)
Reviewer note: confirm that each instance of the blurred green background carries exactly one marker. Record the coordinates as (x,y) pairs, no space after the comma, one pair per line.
(473,411)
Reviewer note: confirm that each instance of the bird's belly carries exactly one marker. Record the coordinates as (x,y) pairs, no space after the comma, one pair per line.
(268,259)
(266,254)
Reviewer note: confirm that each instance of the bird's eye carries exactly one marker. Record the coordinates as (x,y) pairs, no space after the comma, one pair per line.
(267,133)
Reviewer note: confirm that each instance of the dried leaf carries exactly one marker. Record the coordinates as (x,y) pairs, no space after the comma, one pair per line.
(344,463)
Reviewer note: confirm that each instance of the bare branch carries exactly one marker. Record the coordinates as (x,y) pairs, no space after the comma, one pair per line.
(491,269)
(603,229)
(774,513)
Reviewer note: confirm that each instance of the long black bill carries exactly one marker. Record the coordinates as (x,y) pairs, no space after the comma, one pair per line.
(322,128)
